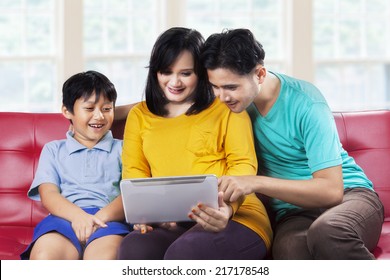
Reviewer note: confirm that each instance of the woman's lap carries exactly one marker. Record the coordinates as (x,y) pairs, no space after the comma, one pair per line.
(235,242)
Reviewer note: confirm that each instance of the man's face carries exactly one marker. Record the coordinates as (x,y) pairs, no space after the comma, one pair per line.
(236,91)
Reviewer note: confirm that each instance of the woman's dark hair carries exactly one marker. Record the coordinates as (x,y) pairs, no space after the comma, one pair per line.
(84,85)
(168,47)
(236,50)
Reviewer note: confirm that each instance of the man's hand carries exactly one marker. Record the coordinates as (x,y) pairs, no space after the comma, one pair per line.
(234,187)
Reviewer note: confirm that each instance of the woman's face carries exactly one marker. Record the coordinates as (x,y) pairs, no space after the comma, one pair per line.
(179,81)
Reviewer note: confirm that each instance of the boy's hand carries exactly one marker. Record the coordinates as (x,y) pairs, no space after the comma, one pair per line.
(84,225)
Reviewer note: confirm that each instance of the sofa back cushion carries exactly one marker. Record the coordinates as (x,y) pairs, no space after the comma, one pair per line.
(22,136)
(366,137)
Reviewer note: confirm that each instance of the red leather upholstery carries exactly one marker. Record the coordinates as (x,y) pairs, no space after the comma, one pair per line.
(365,135)
(22,136)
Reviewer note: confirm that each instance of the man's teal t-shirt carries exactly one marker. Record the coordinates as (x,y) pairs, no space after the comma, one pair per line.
(298,137)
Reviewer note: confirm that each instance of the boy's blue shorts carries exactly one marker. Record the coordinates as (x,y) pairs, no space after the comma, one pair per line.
(54,223)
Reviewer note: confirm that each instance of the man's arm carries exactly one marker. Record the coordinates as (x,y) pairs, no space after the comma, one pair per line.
(325,189)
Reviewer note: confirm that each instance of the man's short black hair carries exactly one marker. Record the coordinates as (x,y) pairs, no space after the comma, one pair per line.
(235,49)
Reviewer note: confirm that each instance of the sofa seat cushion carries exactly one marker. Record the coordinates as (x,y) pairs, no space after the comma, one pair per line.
(382,251)
(13,241)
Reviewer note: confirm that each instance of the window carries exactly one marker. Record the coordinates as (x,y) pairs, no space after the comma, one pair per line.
(351,53)
(118,37)
(263,17)
(339,45)
(28,55)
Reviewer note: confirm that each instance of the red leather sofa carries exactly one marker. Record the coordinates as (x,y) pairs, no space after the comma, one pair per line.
(21,141)
(365,135)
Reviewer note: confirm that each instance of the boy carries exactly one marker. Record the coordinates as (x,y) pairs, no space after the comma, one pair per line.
(77,179)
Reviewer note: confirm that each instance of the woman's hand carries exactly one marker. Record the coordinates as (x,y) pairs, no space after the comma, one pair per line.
(168,226)
(147,228)
(211,219)
(144,228)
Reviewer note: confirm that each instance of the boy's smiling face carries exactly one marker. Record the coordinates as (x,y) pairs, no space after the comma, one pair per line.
(91,120)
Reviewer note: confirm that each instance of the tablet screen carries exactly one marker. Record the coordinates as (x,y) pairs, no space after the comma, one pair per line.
(167,199)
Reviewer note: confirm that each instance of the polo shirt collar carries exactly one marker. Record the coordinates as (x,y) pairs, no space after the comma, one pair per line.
(104,144)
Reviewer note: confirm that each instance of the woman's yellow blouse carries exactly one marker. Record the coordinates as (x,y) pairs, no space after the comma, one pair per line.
(214,141)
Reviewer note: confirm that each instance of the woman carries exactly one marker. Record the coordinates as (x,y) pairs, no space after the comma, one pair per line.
(182,129)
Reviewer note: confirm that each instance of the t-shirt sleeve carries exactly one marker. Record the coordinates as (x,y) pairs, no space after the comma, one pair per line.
(320,136)
(46,172)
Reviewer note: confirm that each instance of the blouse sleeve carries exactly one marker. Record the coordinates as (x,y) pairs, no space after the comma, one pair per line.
(134,162)
(240,150)
(239,146)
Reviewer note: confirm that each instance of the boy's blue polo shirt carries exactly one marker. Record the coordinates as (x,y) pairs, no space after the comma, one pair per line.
(86,177)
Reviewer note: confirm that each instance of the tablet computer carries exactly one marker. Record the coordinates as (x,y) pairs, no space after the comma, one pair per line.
(166,199)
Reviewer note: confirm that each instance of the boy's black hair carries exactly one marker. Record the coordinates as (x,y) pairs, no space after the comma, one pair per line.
(235,49)
(166,50)
(84,85)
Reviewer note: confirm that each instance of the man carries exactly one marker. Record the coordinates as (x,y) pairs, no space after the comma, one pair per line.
(325,207)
